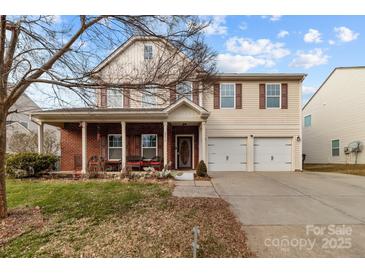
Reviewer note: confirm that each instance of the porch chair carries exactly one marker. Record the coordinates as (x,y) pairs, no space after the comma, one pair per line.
(156,162)
(134,162)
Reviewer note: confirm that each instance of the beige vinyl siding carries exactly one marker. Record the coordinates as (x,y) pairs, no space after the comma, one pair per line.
(338,112)
(250,120)
(130,65)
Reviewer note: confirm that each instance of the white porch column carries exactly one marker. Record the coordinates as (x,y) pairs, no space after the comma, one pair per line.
(165,143)
(84,146)
(40,137)
(124,147)
(204,145)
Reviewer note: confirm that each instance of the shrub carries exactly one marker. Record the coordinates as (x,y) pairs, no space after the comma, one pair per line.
(201,169)
(28,164)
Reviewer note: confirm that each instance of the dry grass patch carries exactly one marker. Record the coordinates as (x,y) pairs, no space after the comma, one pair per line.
(20,221)
(339,168)
(141,221)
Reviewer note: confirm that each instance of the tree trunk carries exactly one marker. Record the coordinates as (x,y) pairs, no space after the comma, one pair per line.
(3,206)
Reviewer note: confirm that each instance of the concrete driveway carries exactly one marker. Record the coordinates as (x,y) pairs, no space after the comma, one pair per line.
(298,214)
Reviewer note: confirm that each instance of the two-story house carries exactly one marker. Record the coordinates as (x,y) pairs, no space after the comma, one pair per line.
(243,122)
(334,119)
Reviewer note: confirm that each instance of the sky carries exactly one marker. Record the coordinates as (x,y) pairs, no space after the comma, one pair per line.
(314,45)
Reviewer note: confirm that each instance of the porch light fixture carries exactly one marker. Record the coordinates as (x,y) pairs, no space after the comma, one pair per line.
(298,138)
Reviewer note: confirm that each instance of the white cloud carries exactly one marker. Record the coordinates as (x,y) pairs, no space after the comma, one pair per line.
(283,33)
(239,63)
(331,42)
(312,36)
(275,17)
(243,26)
(56,19)
(345,34)
(244,54)
(217,26)
(272,17)
(308,90)
(260,47)
(309,59)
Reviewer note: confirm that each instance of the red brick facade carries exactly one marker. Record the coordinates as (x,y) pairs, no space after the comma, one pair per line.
(97,141)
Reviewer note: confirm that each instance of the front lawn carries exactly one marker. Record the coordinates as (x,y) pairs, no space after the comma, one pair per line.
(339,168)
(113,219)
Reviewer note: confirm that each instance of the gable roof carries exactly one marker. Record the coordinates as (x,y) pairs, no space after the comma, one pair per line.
(328,77)
(126,45)
(184,101)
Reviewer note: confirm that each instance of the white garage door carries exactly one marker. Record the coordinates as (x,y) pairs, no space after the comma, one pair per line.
(227,154)
(273,154)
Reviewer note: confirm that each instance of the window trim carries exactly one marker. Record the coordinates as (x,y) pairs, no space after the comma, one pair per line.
(144,51)
(339,148)
(310,124)
(107,98)
(149,105)
(114,134)
(191,92)
(266,84)
(234,95)
(142,147)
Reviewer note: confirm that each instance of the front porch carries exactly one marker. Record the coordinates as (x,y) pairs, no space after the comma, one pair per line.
(115,146)
(174,136)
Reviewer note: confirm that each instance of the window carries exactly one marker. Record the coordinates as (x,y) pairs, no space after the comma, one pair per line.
(149,98)
(227,94)
(308,121)
(335,147)
(273,95)
(114,98)
(184,90)
(147,52)
(149,145)
(114,146)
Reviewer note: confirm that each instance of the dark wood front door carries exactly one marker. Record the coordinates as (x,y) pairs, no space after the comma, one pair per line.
(184,152)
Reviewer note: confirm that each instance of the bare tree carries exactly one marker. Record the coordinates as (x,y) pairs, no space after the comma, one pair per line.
(28,142)
(39,50)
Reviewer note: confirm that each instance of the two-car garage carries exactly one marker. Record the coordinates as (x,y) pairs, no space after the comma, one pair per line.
(269,154)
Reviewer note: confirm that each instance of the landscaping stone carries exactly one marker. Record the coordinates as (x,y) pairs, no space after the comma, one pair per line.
(186,176)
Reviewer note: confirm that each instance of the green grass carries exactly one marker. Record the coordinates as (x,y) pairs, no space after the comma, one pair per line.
(114,219)
(82,199)
(66,202)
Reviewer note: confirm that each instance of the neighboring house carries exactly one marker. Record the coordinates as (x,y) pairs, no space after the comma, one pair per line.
(19,119)
(244,122)
(335,117)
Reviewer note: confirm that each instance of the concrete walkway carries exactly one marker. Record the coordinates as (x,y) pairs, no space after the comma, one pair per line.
(194,188)
(298,214)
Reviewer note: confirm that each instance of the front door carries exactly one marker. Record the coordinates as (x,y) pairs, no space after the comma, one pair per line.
(184,152)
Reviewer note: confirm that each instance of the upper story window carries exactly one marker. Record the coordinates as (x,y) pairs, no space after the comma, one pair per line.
(149,98)
(114,98)
(114,146)
(148,52)
(336,147)
(185,89)
(273,95)
(308,121)
(227,95)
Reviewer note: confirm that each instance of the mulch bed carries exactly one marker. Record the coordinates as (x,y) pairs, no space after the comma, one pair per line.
(19,221)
